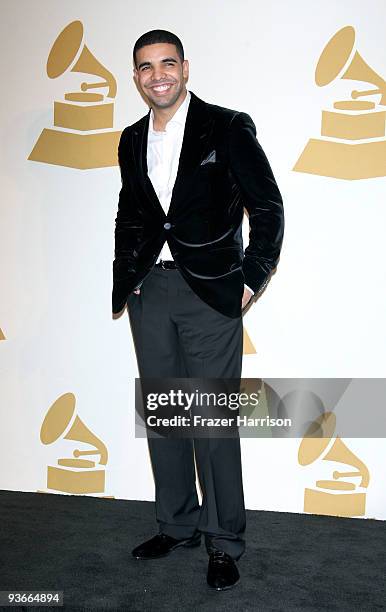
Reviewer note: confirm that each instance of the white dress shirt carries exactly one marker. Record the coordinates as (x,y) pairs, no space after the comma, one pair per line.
(163,155)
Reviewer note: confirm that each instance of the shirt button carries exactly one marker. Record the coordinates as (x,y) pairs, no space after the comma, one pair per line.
(167,225)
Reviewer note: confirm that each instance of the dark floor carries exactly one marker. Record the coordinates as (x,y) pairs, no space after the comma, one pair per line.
(82,545)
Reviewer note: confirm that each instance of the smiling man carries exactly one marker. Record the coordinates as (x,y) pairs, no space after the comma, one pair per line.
(188,170)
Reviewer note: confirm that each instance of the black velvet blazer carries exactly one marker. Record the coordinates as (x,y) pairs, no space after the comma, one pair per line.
(222,168)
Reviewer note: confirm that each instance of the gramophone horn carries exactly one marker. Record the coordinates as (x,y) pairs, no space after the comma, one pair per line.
(66,50)
(339,54)
(334,56)
(57,420)
(317,438)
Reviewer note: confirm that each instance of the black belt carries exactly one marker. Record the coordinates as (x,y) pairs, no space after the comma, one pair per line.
(167,264)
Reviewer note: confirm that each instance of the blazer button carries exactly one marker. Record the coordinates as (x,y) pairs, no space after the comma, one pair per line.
(167,225)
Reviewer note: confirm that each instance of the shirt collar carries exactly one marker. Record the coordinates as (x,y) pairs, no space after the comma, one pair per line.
(179,116)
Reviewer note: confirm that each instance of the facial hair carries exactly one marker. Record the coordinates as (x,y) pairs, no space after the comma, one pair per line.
(167,103)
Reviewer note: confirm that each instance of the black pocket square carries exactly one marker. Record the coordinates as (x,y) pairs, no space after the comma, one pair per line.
(209,159)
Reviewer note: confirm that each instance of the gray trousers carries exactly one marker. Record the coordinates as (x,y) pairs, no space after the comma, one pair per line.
(176,334)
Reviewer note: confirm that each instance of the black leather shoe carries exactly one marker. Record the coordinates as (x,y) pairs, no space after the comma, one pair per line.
(222,571)
(162,544)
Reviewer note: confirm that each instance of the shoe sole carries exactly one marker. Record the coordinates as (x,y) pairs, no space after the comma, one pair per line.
(231,586)
(182,544)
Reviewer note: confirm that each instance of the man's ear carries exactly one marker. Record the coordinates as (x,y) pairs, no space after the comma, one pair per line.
(135,74)
(185,69)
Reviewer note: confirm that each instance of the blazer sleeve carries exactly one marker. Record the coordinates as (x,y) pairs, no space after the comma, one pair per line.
(262,199)
(128,229)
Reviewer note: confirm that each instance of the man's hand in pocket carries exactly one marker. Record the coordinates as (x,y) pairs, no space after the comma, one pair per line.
(246,297)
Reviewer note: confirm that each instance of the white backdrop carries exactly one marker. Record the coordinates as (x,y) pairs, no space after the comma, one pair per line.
(321,316)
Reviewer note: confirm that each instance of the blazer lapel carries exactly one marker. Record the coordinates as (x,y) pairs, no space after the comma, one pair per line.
(140,158)
(198,129)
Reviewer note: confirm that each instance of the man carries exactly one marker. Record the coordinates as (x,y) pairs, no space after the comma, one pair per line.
(188,169)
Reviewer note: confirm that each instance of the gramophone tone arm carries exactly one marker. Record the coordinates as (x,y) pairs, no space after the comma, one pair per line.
(85,86)
(78,453)
(368,92)
(336,475)
(371,92)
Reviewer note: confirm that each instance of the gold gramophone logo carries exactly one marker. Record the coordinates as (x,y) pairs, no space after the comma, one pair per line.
(77,139)
(248,346)
(334,497)
(73,474)
(353,143)
(2,337)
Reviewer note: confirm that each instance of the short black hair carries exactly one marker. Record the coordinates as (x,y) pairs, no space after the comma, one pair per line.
(158,36)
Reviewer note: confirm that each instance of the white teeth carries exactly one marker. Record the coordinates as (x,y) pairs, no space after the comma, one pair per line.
(161,87)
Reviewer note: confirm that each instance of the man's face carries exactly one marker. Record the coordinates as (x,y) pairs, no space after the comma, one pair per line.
(160,75)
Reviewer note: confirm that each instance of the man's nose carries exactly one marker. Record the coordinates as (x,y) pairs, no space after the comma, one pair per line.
(159,73)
